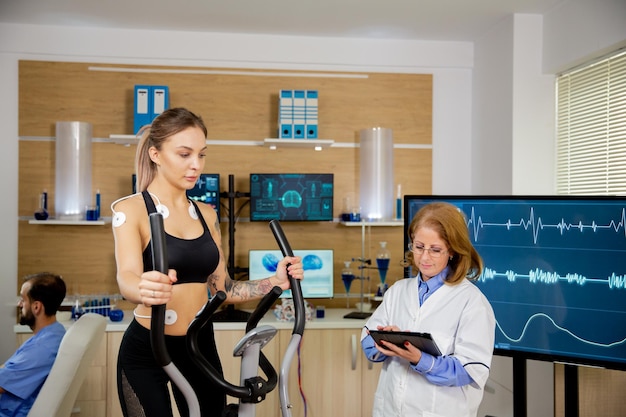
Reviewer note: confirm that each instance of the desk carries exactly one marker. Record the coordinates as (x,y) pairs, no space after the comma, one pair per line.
(333,320)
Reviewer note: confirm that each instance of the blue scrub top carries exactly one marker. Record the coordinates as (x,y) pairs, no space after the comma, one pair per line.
(25,372)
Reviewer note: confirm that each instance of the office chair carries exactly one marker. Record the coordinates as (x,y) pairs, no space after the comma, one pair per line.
(77,350)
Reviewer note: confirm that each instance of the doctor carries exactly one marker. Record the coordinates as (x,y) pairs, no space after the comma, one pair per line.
(442,301)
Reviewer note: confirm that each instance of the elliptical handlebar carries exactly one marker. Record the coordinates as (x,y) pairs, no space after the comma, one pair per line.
(246,393)
(296,289)
(298,327)
(159,262)
(263,307)
(157,320)
(255,389)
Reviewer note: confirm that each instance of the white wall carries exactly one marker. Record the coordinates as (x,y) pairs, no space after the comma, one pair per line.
(533,113)
(449,62)
(513,111)
(452,95)
(513,126)
(492,107)
(8,207)
(513,89)
(578,30)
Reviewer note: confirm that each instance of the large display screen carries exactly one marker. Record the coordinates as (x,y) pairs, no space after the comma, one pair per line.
(291,197)
(555,273)
(318,270)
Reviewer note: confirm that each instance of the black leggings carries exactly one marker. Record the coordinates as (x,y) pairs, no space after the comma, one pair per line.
(142,383)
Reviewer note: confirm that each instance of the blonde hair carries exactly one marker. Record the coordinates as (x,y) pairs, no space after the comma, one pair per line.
(168,123)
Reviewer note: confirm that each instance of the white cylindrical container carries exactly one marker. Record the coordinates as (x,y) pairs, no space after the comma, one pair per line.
(73,170)
(376,182)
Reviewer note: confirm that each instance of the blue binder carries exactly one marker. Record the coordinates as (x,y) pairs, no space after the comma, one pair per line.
(150,101)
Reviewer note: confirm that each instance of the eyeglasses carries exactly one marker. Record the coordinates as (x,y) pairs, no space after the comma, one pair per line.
(432,252)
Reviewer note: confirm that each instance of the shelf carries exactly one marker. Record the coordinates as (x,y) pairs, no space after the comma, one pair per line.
(53,222)
(134,140)
(124,139)
(375,223)
(317,144)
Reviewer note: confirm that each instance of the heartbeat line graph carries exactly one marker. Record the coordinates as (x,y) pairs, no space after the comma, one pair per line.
(538,315)
(536,224)
(537,275)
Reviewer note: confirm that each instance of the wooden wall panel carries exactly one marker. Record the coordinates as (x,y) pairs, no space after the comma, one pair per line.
(83,255)
(235,107)
(599,392)
(72,250)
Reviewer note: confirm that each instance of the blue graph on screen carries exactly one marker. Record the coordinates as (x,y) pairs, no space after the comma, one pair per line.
(555,272)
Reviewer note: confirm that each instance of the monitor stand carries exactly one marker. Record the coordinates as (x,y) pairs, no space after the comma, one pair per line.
(358,315)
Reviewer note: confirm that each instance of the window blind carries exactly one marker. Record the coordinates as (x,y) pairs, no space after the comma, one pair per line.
(591,128)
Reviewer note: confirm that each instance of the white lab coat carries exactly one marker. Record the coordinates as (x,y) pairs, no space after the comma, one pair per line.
(462,323)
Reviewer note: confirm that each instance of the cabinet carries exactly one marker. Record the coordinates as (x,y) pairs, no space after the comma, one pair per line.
(225,340)
(369,383)
(113,408)
(336,378)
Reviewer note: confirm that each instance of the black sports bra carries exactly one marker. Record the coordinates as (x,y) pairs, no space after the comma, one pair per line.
(193,259)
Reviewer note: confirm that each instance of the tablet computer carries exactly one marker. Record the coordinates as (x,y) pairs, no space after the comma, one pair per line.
(422,341)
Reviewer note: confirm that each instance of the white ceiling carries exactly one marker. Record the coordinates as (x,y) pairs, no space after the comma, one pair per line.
(446,20)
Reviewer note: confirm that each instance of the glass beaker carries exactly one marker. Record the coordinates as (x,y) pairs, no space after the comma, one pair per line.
(382,261)
(347,276)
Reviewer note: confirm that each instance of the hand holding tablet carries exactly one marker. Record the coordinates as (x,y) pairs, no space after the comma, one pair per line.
(422,341)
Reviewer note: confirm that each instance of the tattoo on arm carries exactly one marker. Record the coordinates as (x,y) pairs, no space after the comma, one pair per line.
(228,283)
(237,291)
(249,290)
(212,283)
(217,226)
(264,286)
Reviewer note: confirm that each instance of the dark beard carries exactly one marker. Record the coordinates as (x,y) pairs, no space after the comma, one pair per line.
(28,319)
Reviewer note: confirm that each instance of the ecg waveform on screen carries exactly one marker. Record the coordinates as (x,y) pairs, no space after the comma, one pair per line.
(538,276)
(539,315)
(536,224)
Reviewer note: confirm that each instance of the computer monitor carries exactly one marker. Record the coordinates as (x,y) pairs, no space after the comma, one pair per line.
(206,190)
(318,270)
(291,197)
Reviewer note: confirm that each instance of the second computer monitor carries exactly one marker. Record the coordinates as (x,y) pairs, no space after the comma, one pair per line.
(291,197)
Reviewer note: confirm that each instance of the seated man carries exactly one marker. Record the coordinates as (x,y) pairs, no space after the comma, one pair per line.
(24,373)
